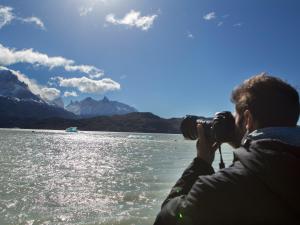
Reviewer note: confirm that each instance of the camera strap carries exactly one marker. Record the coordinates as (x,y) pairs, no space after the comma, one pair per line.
(221,164)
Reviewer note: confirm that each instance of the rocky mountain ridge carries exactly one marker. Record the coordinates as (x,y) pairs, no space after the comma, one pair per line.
(11,86)
(90,107)
(18,101)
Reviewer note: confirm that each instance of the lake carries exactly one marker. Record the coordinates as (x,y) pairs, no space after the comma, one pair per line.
(54,177)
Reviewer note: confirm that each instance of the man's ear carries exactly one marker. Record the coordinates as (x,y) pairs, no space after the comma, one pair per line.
(248,120)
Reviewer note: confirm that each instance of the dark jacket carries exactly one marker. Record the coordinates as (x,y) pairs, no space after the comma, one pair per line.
(262,186)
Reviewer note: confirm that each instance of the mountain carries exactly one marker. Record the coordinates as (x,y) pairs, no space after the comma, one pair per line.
(90,107)
(13,108)
(133,122)
(10,86)
(58,102)
(17,101)
(19,107)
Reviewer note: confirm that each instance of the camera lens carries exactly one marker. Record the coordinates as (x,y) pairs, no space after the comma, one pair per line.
(188,126)
(219,129)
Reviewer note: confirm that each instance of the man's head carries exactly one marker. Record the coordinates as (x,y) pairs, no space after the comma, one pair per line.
(265,101)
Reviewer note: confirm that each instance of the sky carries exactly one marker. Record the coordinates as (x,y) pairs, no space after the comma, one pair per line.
(167,57)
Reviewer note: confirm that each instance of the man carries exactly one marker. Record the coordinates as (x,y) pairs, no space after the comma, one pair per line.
(262,186)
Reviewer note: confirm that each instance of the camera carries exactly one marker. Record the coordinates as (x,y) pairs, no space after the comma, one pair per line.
(219,129)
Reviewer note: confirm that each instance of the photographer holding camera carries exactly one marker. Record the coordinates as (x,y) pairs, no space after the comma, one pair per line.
(262,186)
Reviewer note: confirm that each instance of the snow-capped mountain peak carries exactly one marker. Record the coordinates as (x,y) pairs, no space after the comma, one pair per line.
(90,107)
(11,86)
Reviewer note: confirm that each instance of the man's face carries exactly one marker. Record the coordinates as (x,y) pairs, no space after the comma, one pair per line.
(240,130)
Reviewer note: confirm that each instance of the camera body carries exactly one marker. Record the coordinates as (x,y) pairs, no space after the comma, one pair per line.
(219,129)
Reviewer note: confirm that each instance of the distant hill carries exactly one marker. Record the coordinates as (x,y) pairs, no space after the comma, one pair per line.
(90,107)
(133,122)
(17,101)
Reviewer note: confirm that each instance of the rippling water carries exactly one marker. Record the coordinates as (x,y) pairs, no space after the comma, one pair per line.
(53,177)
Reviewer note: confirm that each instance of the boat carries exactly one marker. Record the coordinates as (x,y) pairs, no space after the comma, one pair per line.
(71,129)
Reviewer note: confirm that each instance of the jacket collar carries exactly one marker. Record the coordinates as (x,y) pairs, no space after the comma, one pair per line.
(288,135)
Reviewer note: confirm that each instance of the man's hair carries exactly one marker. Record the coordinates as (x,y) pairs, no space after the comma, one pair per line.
(271,101)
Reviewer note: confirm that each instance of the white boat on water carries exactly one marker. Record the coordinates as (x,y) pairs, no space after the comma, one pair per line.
(71,129)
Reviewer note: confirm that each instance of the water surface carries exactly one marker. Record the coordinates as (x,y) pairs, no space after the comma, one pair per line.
(53,177)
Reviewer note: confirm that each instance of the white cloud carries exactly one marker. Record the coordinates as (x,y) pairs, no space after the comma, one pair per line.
(190,35)
(92,71)
(210,16)
(237,25)
(83,11)
(86,85)
(49,94)
(12,56)
(44,92)
(7,15)
(220,23)
(133,19)
(70,94)
(34,20)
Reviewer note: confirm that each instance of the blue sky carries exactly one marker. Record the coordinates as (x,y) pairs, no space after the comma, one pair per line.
(168,57)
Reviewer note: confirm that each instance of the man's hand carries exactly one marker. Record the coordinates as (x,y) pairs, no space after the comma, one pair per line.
(205,149)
